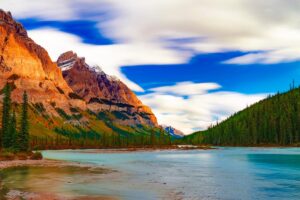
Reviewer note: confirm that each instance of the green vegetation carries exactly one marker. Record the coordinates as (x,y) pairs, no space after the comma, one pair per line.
(23,136)
(74,110)
(40,107)
(12,140)
(6,137)
(29,127)
(272,121)
(63,114)
(12,130)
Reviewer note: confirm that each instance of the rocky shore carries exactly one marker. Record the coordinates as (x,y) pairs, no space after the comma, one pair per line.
(28,195)
(39,163)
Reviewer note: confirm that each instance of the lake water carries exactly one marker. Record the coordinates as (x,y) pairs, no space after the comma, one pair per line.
(225,173)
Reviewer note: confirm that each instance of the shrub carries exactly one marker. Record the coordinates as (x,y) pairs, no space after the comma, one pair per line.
(12,87)
(40,107)
(91,112)
(120,115)
(36,156)
(77,116)
(63,114)
(74,110)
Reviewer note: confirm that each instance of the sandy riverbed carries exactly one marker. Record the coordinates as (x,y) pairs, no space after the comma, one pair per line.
(17,194)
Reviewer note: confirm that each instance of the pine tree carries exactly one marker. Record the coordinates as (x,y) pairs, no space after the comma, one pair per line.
(23,136)
(13,132)
(275,120)
(5,117)
(152,139)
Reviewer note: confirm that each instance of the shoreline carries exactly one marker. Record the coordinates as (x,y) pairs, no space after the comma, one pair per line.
(14,194)
(44,163)
(61,163)
(24,163)
(139,149)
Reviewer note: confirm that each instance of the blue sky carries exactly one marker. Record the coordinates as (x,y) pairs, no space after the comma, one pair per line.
(194,62)
(248,79)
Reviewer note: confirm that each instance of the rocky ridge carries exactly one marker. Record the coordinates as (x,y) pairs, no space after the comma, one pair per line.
(103,92)
(27,66)
(67,84)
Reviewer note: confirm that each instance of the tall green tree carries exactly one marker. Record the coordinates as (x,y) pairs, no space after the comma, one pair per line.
(23,136)
(5,137)
(152,138)
(13,132)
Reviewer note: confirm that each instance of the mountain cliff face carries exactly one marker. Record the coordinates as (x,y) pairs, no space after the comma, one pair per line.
(74,103)
(104,93)
(27,66)
(70,103)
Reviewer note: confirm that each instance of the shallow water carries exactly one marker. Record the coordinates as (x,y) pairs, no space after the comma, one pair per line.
(225,173)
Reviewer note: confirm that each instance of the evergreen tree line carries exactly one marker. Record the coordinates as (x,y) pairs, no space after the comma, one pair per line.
(15,136)
(12,138)
(66,139)
(275,120)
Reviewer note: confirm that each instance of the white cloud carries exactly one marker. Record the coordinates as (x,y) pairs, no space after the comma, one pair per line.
(186,88)
(269,27)
(268,57)
(245,25)
(195,110)
(108,57)
(54,9)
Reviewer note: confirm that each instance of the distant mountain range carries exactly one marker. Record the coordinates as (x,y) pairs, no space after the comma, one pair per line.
(67,94)
(272,121)
(173,131)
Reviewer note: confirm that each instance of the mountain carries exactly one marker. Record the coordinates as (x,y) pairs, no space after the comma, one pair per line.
(173,131)
(76,106)
(103,92)
(272,121)
(27,66)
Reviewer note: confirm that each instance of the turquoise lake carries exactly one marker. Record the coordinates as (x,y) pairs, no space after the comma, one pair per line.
(224,173)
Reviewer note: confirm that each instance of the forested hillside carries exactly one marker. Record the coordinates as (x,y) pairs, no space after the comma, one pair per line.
(274,120)
(33,128)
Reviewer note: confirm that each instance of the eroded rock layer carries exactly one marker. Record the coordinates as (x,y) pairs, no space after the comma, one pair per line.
(27,66)
(103,92)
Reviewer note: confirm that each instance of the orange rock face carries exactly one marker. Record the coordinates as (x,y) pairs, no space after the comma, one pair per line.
(29,67)
(103,92)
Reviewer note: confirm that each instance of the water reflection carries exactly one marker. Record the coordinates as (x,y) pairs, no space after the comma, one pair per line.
(229,173)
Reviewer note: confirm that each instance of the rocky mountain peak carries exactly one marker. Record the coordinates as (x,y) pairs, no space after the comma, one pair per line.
(68,83)
(101,91)
(28,66)
(7,20)
(67,60)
